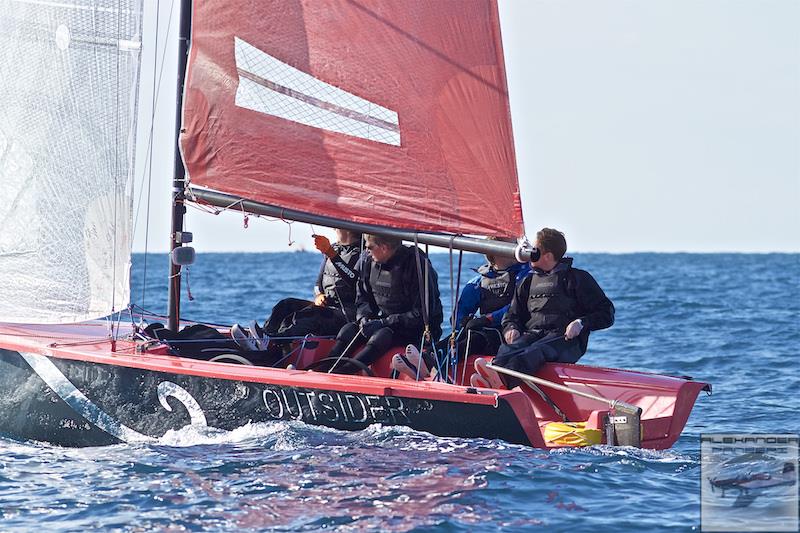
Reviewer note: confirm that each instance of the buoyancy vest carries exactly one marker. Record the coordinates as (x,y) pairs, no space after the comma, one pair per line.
(552,306)
(389,288)
(394,288)
(335,287)
(495,292)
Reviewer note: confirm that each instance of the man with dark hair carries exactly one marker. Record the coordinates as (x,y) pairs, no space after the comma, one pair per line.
(390,303)
(551,314)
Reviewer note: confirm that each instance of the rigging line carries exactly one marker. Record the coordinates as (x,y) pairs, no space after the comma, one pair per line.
(427,281)
(428,267)
(458,300)
(421,281)
(205,208)
(451,357)
(150,156)
(452,295)
(424,294)
(116,175)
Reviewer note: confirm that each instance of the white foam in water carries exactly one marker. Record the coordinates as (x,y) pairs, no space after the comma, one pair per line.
(194,435)
(644,454)
(283,435)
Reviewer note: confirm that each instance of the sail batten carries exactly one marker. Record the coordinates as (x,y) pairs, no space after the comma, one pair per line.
(393,113)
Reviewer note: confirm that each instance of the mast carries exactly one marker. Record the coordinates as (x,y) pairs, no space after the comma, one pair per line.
(522,252)
(177,237)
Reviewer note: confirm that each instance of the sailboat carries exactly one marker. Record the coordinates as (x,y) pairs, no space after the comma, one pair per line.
(389,118)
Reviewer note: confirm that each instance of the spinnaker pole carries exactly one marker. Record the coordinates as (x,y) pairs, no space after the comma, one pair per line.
(522,252)
(179,175)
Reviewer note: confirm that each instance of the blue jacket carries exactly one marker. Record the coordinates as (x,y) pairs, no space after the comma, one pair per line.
(470,299)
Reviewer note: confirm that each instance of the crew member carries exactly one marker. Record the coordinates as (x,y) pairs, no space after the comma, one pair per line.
(551,314)
(489,295)
(334,297)
(391,303)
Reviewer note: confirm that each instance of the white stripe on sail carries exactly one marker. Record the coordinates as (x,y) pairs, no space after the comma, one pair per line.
(270,86)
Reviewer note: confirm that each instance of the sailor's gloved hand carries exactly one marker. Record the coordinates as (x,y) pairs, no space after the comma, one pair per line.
(323,244)
(574,329)
(478,323)
(511,335)
(370,327)
(319,300)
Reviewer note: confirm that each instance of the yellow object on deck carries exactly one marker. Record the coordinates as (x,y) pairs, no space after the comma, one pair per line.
(571,434)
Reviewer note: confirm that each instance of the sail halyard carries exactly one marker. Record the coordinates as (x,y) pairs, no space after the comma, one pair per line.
(394,115)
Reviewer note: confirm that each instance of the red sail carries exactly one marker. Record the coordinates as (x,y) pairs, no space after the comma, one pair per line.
(389,113)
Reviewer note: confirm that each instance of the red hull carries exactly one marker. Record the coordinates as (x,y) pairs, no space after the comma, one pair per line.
(665,401)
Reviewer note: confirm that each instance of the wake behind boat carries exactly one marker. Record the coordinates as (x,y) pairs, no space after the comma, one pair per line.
(392,120)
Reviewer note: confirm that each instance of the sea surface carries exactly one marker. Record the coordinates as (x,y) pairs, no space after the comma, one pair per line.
(732,320)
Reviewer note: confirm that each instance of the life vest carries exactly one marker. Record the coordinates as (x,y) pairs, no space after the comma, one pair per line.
(335,287)
(495,292)
(389,289)
(550,304)
(394,288)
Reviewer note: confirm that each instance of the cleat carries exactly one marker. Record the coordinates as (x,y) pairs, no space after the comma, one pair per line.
(490,376)
(242,339)
(291,367)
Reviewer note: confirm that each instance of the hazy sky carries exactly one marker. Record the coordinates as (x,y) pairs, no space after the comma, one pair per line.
(666,125)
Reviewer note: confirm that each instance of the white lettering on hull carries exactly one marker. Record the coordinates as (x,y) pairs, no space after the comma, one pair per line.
(331,407)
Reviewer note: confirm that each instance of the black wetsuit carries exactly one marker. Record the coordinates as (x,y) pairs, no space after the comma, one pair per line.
(337,279)
(390,292)
(544,304)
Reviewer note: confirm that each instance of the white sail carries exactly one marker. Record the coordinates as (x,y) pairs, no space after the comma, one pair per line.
(68,85)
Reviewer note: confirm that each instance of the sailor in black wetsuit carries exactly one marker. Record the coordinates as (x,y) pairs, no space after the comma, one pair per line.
(551,314)
(334,293)
(338,276)
(390,306)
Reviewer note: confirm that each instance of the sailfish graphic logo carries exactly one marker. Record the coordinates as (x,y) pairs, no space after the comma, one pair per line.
(272,87)
(82,405)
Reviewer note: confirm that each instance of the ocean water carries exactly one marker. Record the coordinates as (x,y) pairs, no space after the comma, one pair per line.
(732,320)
